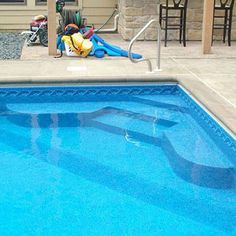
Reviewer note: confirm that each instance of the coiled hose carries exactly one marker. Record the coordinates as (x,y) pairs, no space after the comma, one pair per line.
(69,17)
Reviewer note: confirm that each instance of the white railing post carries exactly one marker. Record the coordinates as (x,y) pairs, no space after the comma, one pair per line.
(158,46)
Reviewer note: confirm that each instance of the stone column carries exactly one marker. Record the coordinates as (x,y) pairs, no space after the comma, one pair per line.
(134,14)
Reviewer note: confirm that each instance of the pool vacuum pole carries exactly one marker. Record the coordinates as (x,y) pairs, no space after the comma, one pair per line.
(52,33)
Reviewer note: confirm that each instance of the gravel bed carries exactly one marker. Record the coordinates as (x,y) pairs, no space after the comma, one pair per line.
(11,45)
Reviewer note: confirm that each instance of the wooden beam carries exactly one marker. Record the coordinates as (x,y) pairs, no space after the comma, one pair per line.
(52,31)
(207,26)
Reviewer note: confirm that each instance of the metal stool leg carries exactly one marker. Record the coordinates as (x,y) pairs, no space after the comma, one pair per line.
(166,27)
(184,28)
(212,37)
(230,27)
(225,25)
(160,16)
(181,26)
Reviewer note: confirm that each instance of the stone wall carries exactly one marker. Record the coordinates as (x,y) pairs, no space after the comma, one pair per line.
(136,13)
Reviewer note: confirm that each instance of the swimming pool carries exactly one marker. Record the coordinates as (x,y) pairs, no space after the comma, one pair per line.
(113,160)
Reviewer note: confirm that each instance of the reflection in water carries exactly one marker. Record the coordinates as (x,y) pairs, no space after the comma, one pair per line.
(35,134)
(53,152)
(129,139)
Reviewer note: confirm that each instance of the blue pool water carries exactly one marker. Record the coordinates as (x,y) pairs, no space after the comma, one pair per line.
(113,160)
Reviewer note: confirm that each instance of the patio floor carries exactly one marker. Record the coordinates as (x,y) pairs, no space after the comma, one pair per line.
(210,78)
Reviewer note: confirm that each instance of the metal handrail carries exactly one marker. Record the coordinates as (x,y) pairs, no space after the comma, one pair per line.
(158,46)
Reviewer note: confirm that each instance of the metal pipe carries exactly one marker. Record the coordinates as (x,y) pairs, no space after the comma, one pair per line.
(158,46)
(112,30)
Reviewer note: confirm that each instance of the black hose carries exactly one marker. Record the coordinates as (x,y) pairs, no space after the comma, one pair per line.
(113,14)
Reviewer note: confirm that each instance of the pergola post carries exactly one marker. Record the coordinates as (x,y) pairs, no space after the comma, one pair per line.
(208,12)
(52,32)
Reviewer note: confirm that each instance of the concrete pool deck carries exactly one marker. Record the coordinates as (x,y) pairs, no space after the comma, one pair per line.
(211,79)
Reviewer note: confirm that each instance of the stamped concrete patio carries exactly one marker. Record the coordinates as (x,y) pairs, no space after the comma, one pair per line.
(209,78)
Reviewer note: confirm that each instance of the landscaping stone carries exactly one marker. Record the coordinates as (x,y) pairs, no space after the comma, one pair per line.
(10,45)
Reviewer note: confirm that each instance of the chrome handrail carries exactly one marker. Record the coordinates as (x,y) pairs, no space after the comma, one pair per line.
(158,46)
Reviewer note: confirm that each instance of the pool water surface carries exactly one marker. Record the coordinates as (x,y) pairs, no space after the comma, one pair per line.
(113,160)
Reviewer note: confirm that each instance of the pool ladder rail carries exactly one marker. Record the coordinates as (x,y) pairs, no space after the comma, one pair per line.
(158,64)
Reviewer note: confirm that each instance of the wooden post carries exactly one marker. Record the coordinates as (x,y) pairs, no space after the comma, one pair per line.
(208,12)
(52,31)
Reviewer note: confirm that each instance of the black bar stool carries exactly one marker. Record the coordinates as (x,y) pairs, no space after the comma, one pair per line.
(173,21)
(223,10)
